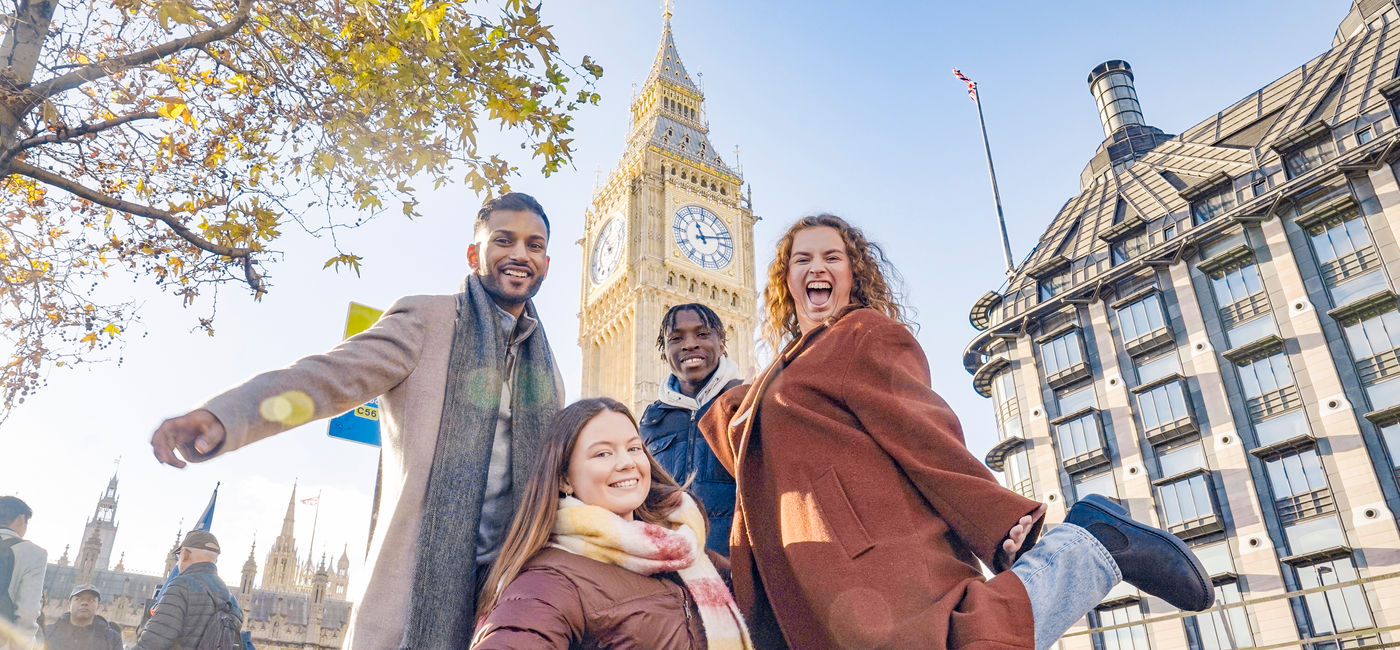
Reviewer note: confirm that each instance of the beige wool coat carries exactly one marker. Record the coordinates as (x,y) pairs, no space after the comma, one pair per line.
(402,360)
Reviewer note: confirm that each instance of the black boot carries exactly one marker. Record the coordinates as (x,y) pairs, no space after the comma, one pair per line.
(1152,560)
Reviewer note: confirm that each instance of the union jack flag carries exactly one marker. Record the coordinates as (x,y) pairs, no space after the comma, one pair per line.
(311,501)
(971,85)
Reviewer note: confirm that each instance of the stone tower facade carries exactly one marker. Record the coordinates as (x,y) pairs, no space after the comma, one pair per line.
(101,531)
(671,225)
(280,570)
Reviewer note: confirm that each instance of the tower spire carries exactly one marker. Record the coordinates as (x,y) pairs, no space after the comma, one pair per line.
(289,521)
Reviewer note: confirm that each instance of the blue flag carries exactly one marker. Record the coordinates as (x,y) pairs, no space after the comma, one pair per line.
(205,521)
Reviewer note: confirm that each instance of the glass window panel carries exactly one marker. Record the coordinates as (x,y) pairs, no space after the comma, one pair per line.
(1357,233)
(1322,244)
(1384,394)
(1391,434)
(1314,535)
(1101,484)
(1336,610)
(1078,436)
(1125,638)
(1061,353)
(1211,627)
(1185,500)
(1215,558)
(1017,468)
(1361,286)
(1162,405)
(1265,375)
(1141,317)
(1182,459)
(1283,427)
(1150,370)
(1296,474)
(1251,330)
(1073,400)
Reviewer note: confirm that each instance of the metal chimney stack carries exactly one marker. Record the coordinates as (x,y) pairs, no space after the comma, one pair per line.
(1111,83)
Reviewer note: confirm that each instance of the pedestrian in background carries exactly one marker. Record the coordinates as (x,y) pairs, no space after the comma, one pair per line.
(81,628)
(196,604)
(22,566)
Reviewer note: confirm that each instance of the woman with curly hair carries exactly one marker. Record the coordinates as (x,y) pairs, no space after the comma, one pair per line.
(861,514)
(606,550)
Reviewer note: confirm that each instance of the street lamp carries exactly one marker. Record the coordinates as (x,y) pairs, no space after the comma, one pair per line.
(1321,569)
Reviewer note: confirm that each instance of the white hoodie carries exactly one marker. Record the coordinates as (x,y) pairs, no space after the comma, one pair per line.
(670,391)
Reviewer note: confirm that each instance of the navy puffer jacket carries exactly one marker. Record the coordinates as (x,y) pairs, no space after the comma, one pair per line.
(673,435)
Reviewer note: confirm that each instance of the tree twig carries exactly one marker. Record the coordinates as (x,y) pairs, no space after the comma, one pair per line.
(82,130)
(241,253)
(91,72)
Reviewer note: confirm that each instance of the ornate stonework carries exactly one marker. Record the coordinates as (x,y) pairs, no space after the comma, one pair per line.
(686,236)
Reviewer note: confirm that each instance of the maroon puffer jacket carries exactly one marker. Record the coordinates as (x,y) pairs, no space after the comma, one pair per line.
(565,601)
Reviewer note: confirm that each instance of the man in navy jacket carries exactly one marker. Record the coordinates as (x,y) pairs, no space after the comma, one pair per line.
(692,343)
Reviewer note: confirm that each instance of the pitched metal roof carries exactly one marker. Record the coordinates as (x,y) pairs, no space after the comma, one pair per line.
(1338,88)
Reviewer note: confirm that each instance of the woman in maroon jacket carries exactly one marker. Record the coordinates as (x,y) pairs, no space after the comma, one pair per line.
(861,514)
(606,550)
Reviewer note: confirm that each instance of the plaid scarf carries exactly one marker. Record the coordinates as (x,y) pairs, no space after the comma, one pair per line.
(596,533)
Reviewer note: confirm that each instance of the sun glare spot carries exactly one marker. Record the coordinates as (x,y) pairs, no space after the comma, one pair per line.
(290,408)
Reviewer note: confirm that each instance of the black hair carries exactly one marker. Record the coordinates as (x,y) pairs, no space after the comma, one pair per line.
(706,315)
(11,507)
(511,201)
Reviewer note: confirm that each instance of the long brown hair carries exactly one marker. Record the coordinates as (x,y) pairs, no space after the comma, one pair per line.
(539,501)
(876,285)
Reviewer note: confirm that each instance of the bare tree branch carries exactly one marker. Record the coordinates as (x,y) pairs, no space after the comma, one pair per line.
(239,253)
(81,130)
(91,72)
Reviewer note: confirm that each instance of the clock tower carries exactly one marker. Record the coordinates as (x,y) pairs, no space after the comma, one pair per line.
(670,226)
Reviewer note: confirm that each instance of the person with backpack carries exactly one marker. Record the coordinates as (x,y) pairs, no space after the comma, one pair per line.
(81,628)
(22,565)
(196,611)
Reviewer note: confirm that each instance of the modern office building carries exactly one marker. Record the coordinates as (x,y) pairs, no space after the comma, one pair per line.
(1209,332)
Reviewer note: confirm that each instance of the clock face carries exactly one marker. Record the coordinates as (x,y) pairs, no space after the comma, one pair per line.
(607,250)
(703,237)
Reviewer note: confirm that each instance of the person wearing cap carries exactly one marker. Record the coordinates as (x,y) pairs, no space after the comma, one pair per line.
(191,600)
(81,628)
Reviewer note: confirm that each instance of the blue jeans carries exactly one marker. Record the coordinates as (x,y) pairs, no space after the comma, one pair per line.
(1066,574)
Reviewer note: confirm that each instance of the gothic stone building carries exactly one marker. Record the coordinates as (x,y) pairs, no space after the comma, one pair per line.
(299,605)
(1209,332)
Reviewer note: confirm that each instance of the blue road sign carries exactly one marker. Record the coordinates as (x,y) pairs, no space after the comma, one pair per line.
(359,425)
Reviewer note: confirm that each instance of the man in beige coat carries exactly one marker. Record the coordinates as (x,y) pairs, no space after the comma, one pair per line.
(449,458)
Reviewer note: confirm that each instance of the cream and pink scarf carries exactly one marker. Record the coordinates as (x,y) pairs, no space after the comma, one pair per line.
(596,533)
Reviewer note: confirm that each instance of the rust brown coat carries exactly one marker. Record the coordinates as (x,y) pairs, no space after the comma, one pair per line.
(860,509)
(562,601)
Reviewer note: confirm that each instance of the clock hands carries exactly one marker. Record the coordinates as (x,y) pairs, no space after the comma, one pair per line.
(706,240)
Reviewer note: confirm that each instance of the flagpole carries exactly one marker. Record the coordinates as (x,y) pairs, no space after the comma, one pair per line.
(992,172)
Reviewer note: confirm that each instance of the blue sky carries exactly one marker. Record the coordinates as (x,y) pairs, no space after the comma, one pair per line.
(843,107)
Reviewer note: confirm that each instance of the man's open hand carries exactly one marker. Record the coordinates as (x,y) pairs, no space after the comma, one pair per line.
(194,434)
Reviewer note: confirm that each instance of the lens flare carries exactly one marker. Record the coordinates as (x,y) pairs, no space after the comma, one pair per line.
(290,408)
